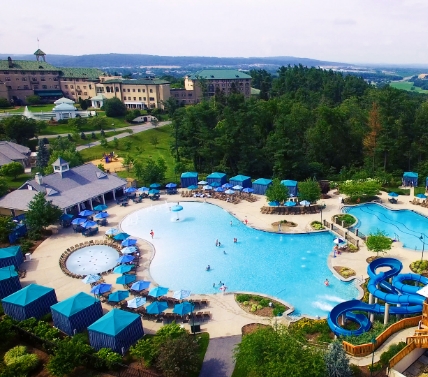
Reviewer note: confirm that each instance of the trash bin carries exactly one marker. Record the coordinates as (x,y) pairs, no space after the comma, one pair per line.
(28,256)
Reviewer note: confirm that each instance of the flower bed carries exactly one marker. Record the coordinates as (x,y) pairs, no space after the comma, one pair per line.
(316,225)
(347,219)
(345,272)
(259,305)
(419,267)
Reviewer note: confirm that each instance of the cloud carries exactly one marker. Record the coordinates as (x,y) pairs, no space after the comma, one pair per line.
(344,21)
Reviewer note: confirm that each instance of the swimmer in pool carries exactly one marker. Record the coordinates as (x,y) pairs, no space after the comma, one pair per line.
(326,283)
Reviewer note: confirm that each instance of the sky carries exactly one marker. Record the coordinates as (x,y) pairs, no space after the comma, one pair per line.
(353,31)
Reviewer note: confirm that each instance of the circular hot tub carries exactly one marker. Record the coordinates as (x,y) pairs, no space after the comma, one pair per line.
(92,259)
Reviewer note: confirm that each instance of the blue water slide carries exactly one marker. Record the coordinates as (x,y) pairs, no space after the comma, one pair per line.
(380,287)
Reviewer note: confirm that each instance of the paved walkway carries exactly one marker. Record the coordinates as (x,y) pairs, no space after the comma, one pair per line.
(218,361)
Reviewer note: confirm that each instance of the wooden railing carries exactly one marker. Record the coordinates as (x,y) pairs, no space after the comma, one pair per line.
(367,348)
(401,355)
(420,341)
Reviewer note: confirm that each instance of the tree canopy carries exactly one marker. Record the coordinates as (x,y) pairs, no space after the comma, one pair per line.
(12,169)
(114,107)
(309,190)
(378,242)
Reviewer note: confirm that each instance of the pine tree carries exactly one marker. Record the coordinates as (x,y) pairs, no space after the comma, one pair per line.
(337,362)
(42,155)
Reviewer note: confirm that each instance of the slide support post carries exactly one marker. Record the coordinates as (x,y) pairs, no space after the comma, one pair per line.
(386,318)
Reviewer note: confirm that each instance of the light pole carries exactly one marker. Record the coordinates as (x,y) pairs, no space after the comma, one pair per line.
(193,317)
(423,246)
(373,341)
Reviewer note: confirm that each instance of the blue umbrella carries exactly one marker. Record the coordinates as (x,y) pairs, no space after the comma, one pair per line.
(140,285)
(158,291)
(125,279)
(86,213)
(100,207)
(229,191)
(153,192)
(78,221)
(305,203)
(215,184)
(136,302)
(183,308)
(219,189)
(248,190)
(101,215)
(101,288)
(89,224)
(125,259)
(339,241)
(143,189)
(91,278)
(227,186)
(129,250)
(290,204)
(121,236)
(65,216)
(129,242)
(202,183)
(237,187)
(207,187)
(171,185)
(118,296)
(421,196)
(274,204)
(122,268)
(155,185)
(192,187)
(393,194)
(129,190)
(176,208)
(112,231)
(181,294)
(157,307)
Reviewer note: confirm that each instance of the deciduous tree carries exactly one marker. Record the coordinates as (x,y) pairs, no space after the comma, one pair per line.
(378,242)
(114,107)
(309,190)
(12,169)
(277,192)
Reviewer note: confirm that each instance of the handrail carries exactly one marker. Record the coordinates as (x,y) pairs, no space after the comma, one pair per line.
(401,355)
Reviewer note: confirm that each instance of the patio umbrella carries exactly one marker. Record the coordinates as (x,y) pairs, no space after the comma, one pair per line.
(155,185)
(153,192)
(78,221)
(171,185)
(122,268)
(219,189)
(118,296)
(248,190)
(140,285)
(143,189)
(290,203)
(237,187)
(215,184)
(121,236)
(101,288)
(183,308)
(129,242)
(176,208)
(65,217)
(129,190)
(305,203)
(421,196)
(91,278)
(181,294)
(88,224)
(393,194)
(229,192)
(157,307)
(202,183)
(136,302)
(158,291)
(86,213)
(339,241)
(112,231)
(101,215)
(129,250)
(125,259)
(273,204)
(192,187)
(207,187)
(125,279)
(227,186)
(100,207)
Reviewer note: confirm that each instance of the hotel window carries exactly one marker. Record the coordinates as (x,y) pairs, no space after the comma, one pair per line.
(7,78)
(151,90)
(72,93)
(50,78)
(19,87)
(84,87)
(44,86)
(152,98)
(43,79)
(72,87)
(133,90)
(33,73)
(55,79)
(17,79)
(129,90)
(25,86)
(135,98)
(144,90)
(35,87)
(78,87)
(85,93)
(22,73)
(139,90)
(144,98)
(56,86)
(66,86)
(24,79)
(139,98)
(117,89)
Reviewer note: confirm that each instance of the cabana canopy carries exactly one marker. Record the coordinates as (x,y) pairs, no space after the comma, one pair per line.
(189,178)
(76,313)
(11,255)
(217,177)
(261,185)
(241,180)
(410,179)
(31,301)
(9,281)
(117,330)
(291,185)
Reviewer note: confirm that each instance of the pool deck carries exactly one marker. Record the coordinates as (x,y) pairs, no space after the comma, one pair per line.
(227,317)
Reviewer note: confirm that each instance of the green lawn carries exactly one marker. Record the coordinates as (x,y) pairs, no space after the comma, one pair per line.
(405,85)
(141,140)
(204,341)
(18,182)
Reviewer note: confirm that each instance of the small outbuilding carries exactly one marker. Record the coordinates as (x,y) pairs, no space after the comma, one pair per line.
(410,179)
(64,111)
(9,281)
(189,178)
(11,256)
(291,185)
(241,180)
(261,185)
(117,330)
(217,177)
(76,313)
(32,301)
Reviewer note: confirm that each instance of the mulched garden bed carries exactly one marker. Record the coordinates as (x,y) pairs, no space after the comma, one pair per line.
(251,327)
(265,311)
(345,272)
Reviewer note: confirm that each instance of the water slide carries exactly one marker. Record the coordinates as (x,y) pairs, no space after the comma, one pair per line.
(397,293)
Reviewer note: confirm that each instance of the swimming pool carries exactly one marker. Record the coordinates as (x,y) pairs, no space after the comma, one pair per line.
(406,224)
(290,267)
(92,259)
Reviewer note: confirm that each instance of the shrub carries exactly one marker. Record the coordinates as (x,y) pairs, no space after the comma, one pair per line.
(13,353)
(347,219)
(264,302)
(245,303)
(107,359)
(259,307)
(317,225)
(26,245)
(253,308)
(243,297)
(392,350)
(93,136)
(278,310)
(19,362)
(356,371)
(82,135)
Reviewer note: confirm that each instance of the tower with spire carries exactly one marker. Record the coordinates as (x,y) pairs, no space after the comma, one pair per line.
(40,55)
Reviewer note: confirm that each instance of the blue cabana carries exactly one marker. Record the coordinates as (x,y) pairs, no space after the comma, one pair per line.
(219,178)
(189,178)
(261,185)
(11,255)
(76,313)
(410,179)
(241,180)
(9,281)
(31,301)
(117,330)
(291,185)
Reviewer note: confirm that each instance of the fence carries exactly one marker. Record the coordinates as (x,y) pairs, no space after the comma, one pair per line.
(341,232)
(367,348)
(401,355)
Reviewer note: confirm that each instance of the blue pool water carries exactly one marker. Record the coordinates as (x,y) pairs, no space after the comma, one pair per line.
(290,267)
(408,225)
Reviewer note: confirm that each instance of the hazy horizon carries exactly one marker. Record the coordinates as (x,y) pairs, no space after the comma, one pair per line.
(354,32)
